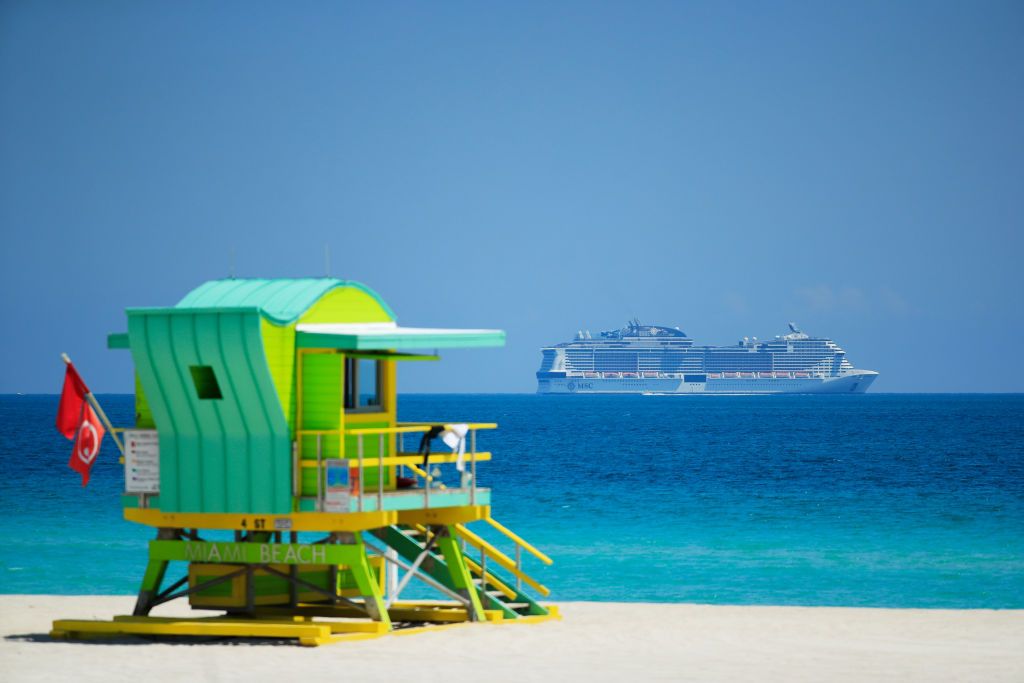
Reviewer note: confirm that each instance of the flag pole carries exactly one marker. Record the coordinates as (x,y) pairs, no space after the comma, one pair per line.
(99,411)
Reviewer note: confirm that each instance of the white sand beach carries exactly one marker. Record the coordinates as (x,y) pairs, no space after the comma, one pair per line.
(593,641)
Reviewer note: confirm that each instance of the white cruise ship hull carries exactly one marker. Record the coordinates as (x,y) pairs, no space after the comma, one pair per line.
(855,382)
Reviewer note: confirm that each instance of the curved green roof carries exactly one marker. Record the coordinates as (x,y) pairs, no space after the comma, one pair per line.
(282,300)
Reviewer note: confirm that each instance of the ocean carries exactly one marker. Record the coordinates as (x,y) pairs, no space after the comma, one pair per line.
(883,500)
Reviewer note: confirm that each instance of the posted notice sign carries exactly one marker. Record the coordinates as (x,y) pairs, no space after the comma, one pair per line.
(336,493)
(141,461)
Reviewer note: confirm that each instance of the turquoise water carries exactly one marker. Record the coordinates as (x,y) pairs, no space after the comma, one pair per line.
(875,500)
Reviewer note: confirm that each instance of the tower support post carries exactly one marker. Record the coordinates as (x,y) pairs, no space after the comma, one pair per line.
(368,586)
(461,578)
(153,578)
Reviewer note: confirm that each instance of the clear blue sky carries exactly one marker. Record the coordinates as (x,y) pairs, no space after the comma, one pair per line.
(539,167)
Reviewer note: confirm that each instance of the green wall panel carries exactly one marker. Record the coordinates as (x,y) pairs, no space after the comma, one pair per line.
(279,346)
(143,415)
(321,409)
(216,455)
(321,402)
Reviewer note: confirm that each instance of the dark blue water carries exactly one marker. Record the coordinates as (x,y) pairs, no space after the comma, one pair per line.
(875,500)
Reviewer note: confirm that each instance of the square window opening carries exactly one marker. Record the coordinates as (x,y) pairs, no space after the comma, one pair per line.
(205,382)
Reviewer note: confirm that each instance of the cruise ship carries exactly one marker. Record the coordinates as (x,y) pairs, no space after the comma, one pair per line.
(651,359)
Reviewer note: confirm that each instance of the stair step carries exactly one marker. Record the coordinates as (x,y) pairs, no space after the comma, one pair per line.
(498,596)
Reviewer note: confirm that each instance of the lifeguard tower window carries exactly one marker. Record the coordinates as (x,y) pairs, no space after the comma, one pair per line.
(362,385)
(205,382)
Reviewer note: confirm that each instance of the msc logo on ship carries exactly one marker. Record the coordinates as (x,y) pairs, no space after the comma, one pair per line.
(571,386)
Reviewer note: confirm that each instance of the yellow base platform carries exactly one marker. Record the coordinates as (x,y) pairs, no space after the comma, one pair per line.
(301,623)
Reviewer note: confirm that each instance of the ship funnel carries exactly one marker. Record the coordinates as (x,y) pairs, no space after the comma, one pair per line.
(794,328)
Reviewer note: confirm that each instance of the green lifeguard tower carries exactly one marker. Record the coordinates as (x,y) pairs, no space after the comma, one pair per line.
(268,456)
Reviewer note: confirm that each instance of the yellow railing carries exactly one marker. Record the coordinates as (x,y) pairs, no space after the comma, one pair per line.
(520,543)
(403,459)
(416,427)
(489,551)
(406,459)
(473,456)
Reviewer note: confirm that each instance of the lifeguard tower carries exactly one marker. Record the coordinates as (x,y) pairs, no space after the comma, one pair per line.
(267,456)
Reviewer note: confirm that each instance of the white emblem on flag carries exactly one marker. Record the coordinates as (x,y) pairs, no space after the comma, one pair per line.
(88,441)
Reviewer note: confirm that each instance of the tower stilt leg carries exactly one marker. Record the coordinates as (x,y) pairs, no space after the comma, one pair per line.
(370,590)
(154,576)
(460,576)
(367,584)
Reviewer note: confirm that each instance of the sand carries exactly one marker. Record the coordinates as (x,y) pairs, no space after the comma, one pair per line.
(594,642)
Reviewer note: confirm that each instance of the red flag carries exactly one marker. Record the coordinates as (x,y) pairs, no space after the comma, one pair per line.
(87,443)
(76,420)
(72,400)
